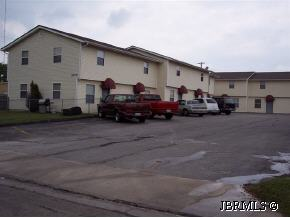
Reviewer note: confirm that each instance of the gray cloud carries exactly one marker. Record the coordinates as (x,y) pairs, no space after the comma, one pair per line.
(118,18)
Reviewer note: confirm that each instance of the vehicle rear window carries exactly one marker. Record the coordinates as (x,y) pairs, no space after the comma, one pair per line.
(124,98)
(229,101)
(151,97)
(210,101)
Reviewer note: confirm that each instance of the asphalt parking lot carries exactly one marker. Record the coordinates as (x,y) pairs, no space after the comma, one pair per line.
(215,148)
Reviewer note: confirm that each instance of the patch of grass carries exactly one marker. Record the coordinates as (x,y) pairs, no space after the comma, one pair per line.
(21,117)
(275,189)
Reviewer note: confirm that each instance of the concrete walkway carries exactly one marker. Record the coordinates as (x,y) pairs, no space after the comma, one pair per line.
(176,195)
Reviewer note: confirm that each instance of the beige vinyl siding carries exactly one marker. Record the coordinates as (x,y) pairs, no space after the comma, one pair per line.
(276,88)
(281,105)
(41,68)
(121,68)
(222,87)
(188,77)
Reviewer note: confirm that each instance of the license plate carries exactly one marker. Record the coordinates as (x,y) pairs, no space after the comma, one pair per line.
(137,114)
(168,110)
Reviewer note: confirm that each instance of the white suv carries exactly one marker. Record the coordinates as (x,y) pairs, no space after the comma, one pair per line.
(211,105)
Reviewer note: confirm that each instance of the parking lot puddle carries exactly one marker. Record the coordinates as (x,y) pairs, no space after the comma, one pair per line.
(172,161)
(280,164)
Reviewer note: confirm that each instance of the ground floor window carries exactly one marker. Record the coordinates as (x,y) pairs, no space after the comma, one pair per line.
(90,94)
(23,90)
(171,95)
(236,102)
(56,88)
(258,103)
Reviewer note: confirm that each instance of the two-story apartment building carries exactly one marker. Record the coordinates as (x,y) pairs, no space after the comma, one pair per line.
(260,92)
(76,71)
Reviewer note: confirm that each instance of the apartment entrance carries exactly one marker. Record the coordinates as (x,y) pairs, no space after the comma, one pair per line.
(269,107)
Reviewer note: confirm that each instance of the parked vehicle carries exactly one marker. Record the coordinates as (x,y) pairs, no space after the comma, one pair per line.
(196,106)
(225,104)
(157,106)
(123,106)
(210,104)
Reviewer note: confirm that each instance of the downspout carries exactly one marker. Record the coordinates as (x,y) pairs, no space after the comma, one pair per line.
(247,81)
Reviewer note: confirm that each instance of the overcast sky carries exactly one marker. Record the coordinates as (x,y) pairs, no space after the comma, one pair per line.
(227,35)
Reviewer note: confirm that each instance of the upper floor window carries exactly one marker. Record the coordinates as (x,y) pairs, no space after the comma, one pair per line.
(101,58)
(262,85)
(57,55)
(201,77)
(23,90)
(146,67)
(24,58)
(178,71)
(258,103)
(231,84)
(56,89)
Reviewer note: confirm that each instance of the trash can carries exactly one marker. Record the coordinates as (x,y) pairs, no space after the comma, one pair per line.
(44,105)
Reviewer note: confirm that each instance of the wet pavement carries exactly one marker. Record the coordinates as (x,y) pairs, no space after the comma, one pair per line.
(208,157)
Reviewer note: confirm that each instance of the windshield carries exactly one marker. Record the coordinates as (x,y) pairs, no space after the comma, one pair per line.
(210,101)
(124,98)
(229,101)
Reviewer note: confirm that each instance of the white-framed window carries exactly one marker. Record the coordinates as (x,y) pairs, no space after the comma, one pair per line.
(262,85)
(236,102)
(90,94)
(258,103)
(24,57)
(146,67)
(201,77)
(178,71)
(23,90)
(56,90)
(231,84)
(57,52)
(171,96)
(100,58)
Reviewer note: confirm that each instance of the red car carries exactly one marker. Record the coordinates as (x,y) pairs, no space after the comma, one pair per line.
(158,107)
(123,106)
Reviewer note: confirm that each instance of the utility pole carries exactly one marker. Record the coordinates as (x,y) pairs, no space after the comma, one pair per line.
(4,30)
(201,63)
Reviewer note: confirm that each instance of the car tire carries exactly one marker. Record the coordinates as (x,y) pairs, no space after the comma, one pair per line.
(142,120)
(185,112)
(168,116)
(152,116)
(117,117)
(101,114)
(228,112)
(200,115)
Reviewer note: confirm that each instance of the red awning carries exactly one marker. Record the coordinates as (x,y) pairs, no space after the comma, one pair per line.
(198,92)
(139,87)
(108,84)
(269,98)
(182,90)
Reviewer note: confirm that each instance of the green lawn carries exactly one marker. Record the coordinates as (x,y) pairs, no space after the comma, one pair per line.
(20,117)
(276,189)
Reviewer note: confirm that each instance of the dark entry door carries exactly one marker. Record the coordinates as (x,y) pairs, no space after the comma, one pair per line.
(269,107)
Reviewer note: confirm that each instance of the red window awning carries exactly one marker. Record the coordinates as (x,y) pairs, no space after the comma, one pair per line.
(269,98)
(182,90)
(108,84)
(139,87)
(198,92)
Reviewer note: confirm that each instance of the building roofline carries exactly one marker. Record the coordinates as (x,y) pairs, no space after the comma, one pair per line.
(168,58)
(80,39)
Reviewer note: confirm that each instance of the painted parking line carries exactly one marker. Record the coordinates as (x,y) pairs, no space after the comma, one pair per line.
(21,131)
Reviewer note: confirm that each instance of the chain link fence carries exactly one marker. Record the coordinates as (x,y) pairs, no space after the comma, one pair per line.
(55,105)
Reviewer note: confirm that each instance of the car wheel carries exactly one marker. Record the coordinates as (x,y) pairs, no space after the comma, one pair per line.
(228,112)
(118,117)
(101,114)
(168,116)
(185,112)
(142,120)
(152,116)
(200,115)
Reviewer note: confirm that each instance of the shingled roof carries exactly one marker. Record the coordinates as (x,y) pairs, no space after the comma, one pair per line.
(271,76)
(232,75)
(252,75)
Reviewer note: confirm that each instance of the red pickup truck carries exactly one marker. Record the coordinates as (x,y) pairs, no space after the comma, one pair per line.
(123,106)
(157,106)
